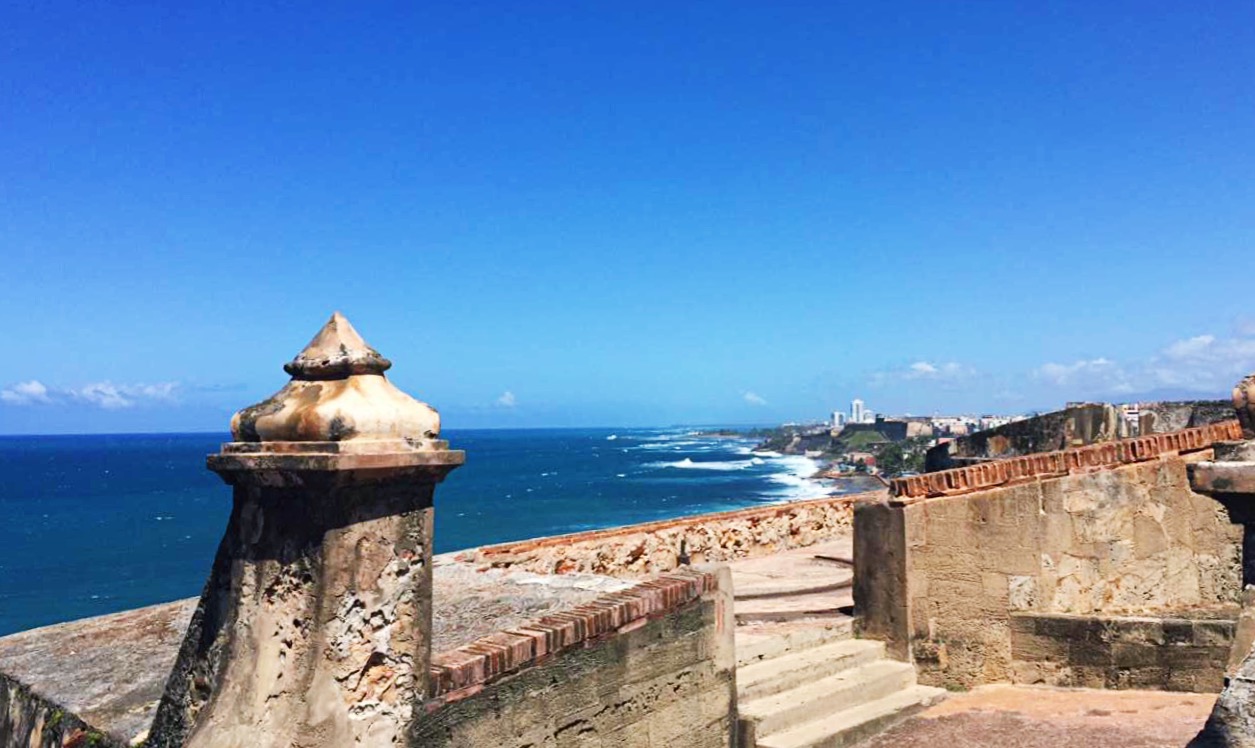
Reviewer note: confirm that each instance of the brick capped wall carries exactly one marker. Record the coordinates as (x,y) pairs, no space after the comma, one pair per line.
(651,666)
(1053,464)
(1112,529)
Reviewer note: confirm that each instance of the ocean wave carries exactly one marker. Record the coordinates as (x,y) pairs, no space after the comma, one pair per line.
(691,445)
(688,464)
(795,480)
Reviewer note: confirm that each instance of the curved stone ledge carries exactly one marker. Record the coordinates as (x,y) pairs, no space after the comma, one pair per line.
(657,547)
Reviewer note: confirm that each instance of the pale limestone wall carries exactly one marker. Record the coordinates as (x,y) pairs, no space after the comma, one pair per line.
(669,681)
(1132,539)
(655,547)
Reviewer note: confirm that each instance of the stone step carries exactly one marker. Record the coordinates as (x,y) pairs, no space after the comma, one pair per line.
(762,641)
(851,726)
(791,670)
(827,696)
(786,587)
(794,607)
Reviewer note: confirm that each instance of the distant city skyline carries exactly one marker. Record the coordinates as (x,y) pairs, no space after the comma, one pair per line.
(625,216)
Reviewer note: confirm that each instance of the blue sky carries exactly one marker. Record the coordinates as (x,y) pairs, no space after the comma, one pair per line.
(624,214)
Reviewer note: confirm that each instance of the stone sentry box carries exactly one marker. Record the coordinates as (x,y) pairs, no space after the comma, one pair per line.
(314,627)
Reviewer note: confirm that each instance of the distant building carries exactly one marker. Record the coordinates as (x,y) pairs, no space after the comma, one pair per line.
(856,411)
(1132,415)
(950,426)
(918,427)
(867,458)
(869,416)
(838,419)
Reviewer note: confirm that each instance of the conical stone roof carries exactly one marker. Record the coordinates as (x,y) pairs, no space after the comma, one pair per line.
(338,393)
(336,352)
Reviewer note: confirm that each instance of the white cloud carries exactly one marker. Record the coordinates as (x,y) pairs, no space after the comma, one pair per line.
(100,394)
(1080,372)
(948,374)
(25,393)
(1203,363)
(753,398)
(949,371)
(1190,347)
(507,400)
(104,394)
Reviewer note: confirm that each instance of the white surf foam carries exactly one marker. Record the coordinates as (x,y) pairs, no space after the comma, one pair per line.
(794,477)
(688,464)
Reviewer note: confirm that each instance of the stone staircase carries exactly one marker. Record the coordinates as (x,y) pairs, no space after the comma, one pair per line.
(823,691)
(803,681)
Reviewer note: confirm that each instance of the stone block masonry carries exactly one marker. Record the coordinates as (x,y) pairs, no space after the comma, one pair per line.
(1165,653)
(650,666)
(1110,529)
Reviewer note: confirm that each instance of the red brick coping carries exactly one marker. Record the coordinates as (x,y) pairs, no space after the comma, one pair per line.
(1051,464)
(464,671)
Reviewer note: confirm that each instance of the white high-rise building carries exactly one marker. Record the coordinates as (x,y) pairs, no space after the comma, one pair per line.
(856,411)
(838,419)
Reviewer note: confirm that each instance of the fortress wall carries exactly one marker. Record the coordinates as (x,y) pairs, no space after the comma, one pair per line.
(651,666)
(1048,432)
(1014,470)
(1173,416)
(28,720)
(1073,427)
(655,547)
(939,578)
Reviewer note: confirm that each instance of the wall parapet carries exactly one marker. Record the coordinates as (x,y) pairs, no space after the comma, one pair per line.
(1053,464)
(659,547)
(466,670)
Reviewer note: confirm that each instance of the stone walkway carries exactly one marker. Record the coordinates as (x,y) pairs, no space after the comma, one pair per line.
(811,583)
(1042,717)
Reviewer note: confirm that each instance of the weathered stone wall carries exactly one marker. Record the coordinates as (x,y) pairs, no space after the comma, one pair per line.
(1160,653)
(1232,720)
(652,666)
(1049,432)
(952,569)
(1158,418)
(1013,470)
(657,547)
(27,720)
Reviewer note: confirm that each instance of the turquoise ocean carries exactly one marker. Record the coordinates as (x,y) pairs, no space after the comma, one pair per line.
(96,524)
